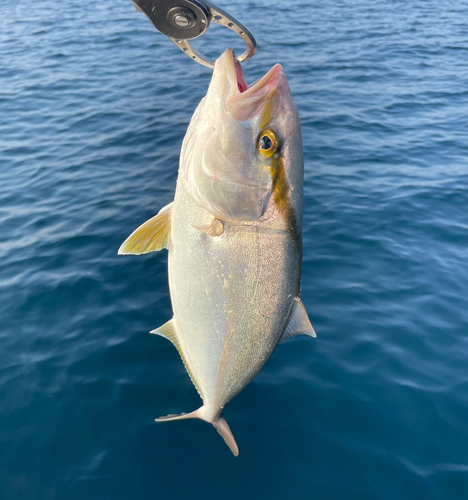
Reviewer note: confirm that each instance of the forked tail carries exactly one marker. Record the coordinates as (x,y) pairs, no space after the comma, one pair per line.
(219,423)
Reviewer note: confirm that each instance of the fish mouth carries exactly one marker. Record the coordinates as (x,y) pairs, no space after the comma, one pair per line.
(264,85)
(245,101)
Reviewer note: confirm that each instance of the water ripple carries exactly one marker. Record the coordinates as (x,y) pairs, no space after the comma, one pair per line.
(94,105)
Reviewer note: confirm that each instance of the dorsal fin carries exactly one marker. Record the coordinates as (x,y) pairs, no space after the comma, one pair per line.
(169,331)
(151,236)
(299,323)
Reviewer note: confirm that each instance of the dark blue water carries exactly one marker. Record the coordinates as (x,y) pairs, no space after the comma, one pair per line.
(94,104)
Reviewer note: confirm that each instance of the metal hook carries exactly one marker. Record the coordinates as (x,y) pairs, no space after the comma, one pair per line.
(184,20)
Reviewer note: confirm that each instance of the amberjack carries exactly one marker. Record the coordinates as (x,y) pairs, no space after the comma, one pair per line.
(234,236)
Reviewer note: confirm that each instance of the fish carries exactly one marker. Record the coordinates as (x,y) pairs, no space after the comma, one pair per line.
(234,237)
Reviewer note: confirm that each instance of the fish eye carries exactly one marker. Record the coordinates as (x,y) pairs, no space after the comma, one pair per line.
(267,143)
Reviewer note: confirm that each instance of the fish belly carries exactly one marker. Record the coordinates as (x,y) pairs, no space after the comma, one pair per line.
(231,296)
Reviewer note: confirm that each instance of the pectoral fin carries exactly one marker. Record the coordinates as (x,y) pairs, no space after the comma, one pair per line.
(299,323)
(151,236)
(216,228)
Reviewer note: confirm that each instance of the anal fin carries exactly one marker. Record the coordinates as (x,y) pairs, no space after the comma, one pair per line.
(169,332)
(299,322)
(151,236)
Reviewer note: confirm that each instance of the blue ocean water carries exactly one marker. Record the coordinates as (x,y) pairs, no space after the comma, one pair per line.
(94,104)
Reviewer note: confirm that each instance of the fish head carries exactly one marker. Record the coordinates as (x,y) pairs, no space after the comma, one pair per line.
(243,149)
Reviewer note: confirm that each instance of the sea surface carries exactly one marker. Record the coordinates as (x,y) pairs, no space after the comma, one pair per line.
(94,104)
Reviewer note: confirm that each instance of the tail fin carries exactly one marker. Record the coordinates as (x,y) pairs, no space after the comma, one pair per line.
(225,432)
(181,416)
(219,424)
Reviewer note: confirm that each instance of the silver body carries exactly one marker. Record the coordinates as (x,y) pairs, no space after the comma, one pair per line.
(232,294)
(234,236)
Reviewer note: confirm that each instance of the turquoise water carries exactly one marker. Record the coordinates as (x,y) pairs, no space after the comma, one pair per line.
(94,104)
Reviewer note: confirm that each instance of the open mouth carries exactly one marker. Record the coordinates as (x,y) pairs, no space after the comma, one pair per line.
(241,85)
(260,87)
(243,101)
